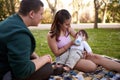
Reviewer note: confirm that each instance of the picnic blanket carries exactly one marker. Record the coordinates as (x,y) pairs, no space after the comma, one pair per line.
(100,74)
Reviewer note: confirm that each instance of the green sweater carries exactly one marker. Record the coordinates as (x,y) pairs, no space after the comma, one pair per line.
(16,45)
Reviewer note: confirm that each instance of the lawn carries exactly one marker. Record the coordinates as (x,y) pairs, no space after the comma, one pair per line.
(102,41)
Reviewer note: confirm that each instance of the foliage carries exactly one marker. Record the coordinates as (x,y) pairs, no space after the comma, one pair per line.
(8,7)
(113,14)
(52,6)
(47,17)
(112,11)
(102,41)
(2,10)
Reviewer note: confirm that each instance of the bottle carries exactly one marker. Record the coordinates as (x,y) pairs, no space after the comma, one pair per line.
(78,41)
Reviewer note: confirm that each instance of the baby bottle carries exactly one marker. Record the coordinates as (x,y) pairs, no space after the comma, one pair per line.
(78,40)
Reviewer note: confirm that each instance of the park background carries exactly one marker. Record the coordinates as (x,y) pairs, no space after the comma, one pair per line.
(100,18)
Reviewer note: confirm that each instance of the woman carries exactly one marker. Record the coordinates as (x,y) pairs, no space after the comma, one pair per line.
(59,42)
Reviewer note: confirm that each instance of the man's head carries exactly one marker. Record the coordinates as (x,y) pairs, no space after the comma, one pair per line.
(28,5)
(31,11)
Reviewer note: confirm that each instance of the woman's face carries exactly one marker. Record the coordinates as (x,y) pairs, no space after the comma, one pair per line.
(67,23)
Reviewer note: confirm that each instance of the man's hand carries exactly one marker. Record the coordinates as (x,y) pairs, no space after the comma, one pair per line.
(34,56)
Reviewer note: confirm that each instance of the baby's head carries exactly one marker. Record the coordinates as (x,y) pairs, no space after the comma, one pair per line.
(81,36)
(83,33)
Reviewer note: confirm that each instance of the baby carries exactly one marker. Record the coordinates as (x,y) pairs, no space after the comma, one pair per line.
(76,51)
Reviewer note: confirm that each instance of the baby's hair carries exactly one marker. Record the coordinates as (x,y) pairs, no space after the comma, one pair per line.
(84,33)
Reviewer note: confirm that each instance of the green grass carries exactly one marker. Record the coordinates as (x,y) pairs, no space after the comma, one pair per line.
(102,41)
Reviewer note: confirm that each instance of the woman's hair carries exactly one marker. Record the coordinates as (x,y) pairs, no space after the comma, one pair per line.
(84,33)
(27,5)
(59,19)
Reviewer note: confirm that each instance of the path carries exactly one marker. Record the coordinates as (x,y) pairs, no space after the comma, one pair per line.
(80,26)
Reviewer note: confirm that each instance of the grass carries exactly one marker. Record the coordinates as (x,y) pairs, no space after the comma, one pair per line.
(102,41)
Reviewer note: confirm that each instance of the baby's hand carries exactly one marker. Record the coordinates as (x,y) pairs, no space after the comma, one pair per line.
(90,54)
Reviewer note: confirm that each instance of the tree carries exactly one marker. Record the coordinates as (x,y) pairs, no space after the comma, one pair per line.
(76,5)
(79,12)
(52,6)
(113,12)
(2,11)
(97,4)
(47,17)
(7,8)
(104,11)
(110,11)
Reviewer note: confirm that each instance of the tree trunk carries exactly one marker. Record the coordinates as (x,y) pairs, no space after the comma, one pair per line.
(96,18)
(12,6)
(96,15)
(104,13)
(52,7)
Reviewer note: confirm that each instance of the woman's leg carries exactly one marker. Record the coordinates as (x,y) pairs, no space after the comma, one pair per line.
(85,65)
(106,63)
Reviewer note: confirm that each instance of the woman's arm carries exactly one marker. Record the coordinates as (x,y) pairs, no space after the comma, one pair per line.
(52,43)
(72,32)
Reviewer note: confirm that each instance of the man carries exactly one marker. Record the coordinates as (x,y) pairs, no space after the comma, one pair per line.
(17,45)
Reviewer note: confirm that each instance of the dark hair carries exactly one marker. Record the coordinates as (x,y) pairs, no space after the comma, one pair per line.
(59,18)
(27,5)
(84,33)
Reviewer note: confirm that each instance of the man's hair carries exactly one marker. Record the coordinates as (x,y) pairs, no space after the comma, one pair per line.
(27,5)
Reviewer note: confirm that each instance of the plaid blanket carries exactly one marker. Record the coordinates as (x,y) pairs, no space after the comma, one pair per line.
(100,74)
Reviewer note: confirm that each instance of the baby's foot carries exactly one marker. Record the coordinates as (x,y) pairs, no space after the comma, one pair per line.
(67,69)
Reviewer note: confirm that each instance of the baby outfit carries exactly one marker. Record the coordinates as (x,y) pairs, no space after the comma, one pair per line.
(72,55)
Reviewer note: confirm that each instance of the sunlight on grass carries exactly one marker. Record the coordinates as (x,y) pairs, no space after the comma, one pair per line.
(102,41)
